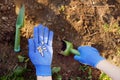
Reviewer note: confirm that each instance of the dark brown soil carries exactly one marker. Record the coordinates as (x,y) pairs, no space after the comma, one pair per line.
(78,21)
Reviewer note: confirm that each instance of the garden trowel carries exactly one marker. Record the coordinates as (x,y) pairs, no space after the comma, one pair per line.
(19,24)
(69,49)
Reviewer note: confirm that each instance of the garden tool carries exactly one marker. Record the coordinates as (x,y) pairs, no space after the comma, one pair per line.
(19,24)
(69,49)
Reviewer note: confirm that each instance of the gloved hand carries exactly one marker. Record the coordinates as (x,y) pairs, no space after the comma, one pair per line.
(89,56)
(41,51)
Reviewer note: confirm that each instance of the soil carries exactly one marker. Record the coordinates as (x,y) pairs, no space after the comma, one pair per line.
(78,21)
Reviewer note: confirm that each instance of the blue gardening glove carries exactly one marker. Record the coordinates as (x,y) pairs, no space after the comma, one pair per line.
(88,55)
(41,51)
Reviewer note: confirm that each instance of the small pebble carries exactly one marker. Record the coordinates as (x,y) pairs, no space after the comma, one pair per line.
(63,30)
(4,18)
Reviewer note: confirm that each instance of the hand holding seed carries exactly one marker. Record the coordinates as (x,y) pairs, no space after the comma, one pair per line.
(40,50)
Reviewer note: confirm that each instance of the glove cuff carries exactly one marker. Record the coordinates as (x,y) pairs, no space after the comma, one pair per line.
(43,70)
(97,60)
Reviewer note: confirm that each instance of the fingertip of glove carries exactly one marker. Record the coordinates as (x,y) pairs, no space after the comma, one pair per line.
(51,33)
(76,57)
(81,47)
(46,28)
(40,25)
(35,29)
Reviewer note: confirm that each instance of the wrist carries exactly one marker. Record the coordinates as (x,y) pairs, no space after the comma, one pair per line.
(100,58)
(44,77)
(43,70)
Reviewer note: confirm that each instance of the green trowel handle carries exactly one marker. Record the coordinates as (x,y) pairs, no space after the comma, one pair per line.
(17,40)
(74,51)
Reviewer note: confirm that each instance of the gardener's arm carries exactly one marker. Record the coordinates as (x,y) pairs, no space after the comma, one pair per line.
(41,52)
(109,69)
(44,78)
(91,56)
